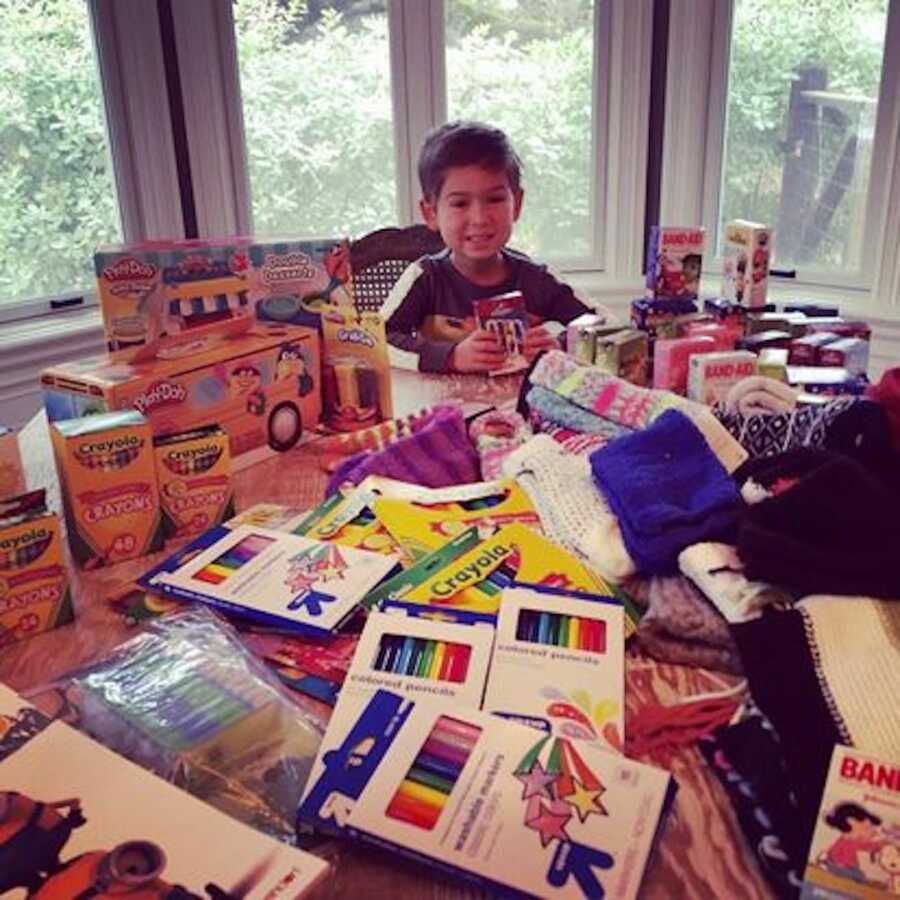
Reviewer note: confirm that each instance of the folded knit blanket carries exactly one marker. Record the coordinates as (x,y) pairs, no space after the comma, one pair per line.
(557,409)
(438,454)
(825,672)
(758,394)
(668,491)
(626,404)
(681,626)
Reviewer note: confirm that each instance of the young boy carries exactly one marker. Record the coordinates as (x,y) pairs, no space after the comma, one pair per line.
(472,195)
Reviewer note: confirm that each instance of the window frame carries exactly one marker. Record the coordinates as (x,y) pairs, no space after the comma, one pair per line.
(694,152)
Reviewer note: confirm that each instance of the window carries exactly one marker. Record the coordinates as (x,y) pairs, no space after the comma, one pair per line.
(57,199)
(527,66)
(316,89)
(804,132)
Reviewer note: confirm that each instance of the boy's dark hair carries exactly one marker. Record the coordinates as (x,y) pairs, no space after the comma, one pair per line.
(844,811)
(465,144)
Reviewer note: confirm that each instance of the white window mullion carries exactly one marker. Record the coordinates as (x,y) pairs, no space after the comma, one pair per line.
(211,96)
(630,29)
(132,73)
(418,87)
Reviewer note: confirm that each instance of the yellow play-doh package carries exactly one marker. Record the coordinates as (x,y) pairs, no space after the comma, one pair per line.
(193,470)
(107,477)
(421,526)
(34,591)
(356,372)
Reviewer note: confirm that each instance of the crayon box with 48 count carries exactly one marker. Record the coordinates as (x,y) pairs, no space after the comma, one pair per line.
(107,476)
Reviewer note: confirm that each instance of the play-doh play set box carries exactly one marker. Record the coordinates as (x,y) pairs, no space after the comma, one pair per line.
(674,262)
(193,471)
(34,592)
(559,664)
(259,381)
(491,800)
(107,476)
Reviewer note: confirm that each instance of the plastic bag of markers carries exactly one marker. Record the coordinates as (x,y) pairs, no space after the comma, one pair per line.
(185,700)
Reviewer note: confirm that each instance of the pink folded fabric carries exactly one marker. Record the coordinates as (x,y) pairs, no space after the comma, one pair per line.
(439,454)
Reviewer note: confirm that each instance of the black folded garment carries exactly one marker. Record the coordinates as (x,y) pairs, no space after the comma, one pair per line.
(829,526)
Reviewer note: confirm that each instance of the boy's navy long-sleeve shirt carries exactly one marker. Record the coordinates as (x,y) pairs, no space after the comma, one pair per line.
(430,309)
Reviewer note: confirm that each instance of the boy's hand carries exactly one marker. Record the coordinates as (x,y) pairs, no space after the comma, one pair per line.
(481,351)
(537,338)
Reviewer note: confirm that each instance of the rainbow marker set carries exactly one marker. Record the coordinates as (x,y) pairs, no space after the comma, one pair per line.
(523,813)
(276,579)
(421,657)
(559,664)
(424,792)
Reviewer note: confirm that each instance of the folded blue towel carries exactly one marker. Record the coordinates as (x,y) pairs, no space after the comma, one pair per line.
(668,490)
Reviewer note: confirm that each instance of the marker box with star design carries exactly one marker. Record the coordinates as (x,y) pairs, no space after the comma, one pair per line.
(283,581)
(559,664)
(487,799)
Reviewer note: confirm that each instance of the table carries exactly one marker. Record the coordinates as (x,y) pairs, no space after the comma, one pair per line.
(702,853)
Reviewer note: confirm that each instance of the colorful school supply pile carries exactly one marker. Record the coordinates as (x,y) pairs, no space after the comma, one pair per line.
(276,579)
(34,589)
(433,781)
(90,807)
(107,475)
(423,658)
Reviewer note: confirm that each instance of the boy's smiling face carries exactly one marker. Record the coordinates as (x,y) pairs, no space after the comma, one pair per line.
(474,213)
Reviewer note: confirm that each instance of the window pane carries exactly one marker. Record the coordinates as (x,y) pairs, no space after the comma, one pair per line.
(315,81)
(526,67)
(57,200)
(802,99)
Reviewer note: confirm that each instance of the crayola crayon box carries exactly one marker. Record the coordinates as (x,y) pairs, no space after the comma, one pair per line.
(421,658)
(34,590)
(487,799)
(559,664)
(356,372)
(107,476)
(280,580)
(193,470)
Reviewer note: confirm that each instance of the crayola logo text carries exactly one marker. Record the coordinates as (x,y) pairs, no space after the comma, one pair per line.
(194,452)
(95,448)
(355,336)
(35,536)
(160,393)
(471,573)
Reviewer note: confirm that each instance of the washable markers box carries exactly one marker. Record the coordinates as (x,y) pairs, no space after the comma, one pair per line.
(276,579)
(559,664)
(34,590)
(193,471)
(490,800)
(421,658)
(107,476)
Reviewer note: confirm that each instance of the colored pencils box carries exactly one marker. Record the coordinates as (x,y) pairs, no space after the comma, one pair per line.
(420,657)
(487,798)
(559,664)
(422,795)
(276,579)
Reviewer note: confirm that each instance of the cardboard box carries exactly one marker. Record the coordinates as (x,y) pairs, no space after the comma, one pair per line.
(261,384)
(674,261)
(831,380)
(746,249)
(851,353)
(671,357)
(580,336)
(193,470)
(624,354)
(107,477)
(804,351)
(34,590)
(12,475)
(711,375)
